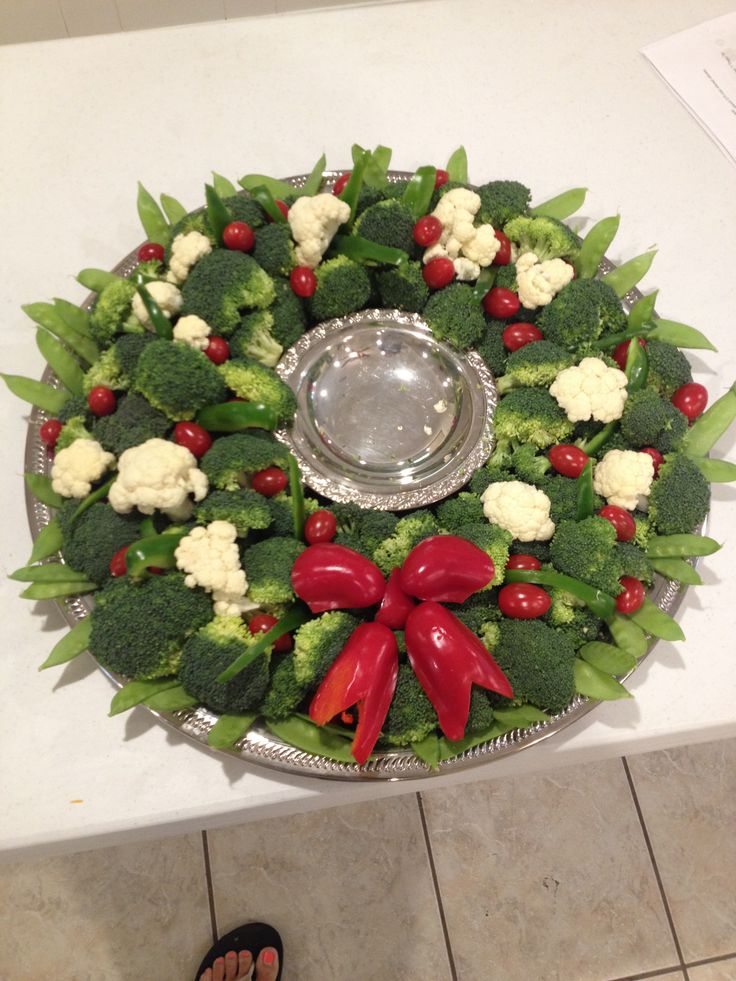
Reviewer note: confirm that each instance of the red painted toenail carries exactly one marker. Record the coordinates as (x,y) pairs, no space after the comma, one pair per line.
(268,957)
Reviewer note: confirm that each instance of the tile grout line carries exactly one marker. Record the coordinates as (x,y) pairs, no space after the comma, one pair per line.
(712,960)
(210,890)
(436,884)
(655,867)
(657,973)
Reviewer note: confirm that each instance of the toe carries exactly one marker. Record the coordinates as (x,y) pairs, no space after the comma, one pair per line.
(245,963)
(206,975)
(267,965)
(218,969)
(231,965)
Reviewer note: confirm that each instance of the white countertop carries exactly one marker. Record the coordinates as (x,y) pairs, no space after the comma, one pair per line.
(554,95)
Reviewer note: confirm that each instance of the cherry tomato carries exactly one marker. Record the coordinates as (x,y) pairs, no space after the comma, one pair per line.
(347,718)
(501,303)
(427,231)
(261,623)
(567,459)
(320,527)
(102,401)
(503,256)
(656,456)
(303,281)
(621,352)
(341,183)
(218,350)
(691,399)
(117,565)
(523,601)
(621,521)
(519,335)
(283,207)
(151,251)
(632,597)
(270,481)
(49,432)
(438,272)
(441,178)
(523,562)
(238,236)
(192,436)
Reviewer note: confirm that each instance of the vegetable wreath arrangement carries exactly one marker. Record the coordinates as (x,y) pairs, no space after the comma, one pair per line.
(219,582)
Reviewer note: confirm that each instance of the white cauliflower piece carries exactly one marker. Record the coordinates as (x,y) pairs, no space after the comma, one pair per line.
(78,466)
(519,508)
(186,250)
(539,282)
(465,269)
(591,390)
(192,330)
(313,222)
(483,246)
(211,560)
(159,475)
(461,239)
(166,295)
(624,477)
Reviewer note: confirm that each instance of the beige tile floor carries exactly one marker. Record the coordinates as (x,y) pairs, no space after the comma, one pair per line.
(619,870)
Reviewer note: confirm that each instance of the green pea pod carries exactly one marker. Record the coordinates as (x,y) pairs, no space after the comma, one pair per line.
(297,498)
(229,729)
(363,250)
(484,282)
(55,590)
(171,700)
(628,635)
(419,191)
(637,367)
(157,551)
(267,201)
(610,341)
(217,212)
(52,572)
(717,471)
(314,182)
(585,495)
(274,186)
(628,274)
(594,246)
(642,311)
(96,279)
(457,166)
(665,546)
(233,417)
(708,428)
(377,166)
(223,187)
(77,342)
(449,749)
(44,314)
(681,335)
(99,494)
(70,646)
(519,716)
(677,569)
(136,692)
(173,209)
(40,487)
(161,323)
(152,217)
(607,657)
(72,315)
(290,621)
(306,736)
(592,683)
(66,368)
(599,602)
(656,622)
(562,205)
(37,393)
(351,191)
(428,750)
(47,542)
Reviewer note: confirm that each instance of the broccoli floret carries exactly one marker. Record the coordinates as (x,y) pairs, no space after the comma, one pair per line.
(208,653)
(491,347)
(650,420)
(74,428)
(500,201)
(369,195)
(96,535)
(255,382)
(669,369)
(267,566)
(113,312)
(287,310)
(478,611)
(485,476)
(480,716)
(387,222)
(75,406)
(506,277)
(244,508)
(403,287)
(535,364)
(231,459)
(635,562)
(644,530)
(195,221)
(611,314)
(586,550)
(222,285)
(318,642)
(138,628)
(411,716)
(282,516)
(133,422)
(411,530)
(348,516)
(538,661)
(464,509)
(580,313)
(343,287)
(454,314)
(528,465)
(242,207)
(107,371)
(285,692)
(546,237)
(491,539)
(274,249)
(177,380)
(679,498)
(255,340)
(531,415)
(128,349)
(577,624)
(563,496)
(540,550)
(375,527)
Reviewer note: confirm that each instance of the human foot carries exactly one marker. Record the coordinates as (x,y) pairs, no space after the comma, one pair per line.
(237,965)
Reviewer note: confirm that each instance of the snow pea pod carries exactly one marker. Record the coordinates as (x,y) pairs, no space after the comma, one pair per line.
(66,368)
(173,209)
(267,201)
(599,602)
(40,487)
(217,212)
(708,428)
(484,282)
(47,541)
(419,191)
(97,495)
(161,323)
(594,246)
(96,279)
(229,729)
(607,657)
(52,572)
(717,471)
(628,635)
(171,700)
(585,495)
(627,275)
(681,335)
(152,217)
(592,683)
(642,311)
(457,166)
(157,552)
(37,393)
(351,191)
(363,250)
(677,569)
(449,747)
(656,622)
(297,498)
(313,183)
(428,750)
(520,716)
(562,205)
(296,616)
(136,692)
(73,316)
(275,186)
(377,166)
(70,646)
(55,590)
(223,187)
(234,417)
(306,736)
(664,546)
(58,322)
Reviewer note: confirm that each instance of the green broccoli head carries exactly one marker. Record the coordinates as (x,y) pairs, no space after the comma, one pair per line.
(634,561)
(282,514)
(492,348)
(463,509)
(580,313)
(500,201)
(95,536)
(113,312)
(232,459)
(374,528)
(563,497)
(454,314)
(254,382)
(611,315)
(577,624)
(242,207)
(478,611)
(680,496)
(73,429)
(107,371)
(409,531)
(222,285)
(318,642)
(274,249)
(669,369)
(411,716)
(75,406)
(133,422)
(644,529)
(528,465)
(388,222)
(285,692)
(531,415)
(254,339)
(287,310)
(343,287)
(492,540)
(506,277)
(267,566)
(403,287)
(480,716)
(586,550)
(128,349)
(538,661)
(244,508)
(534,365)
(546,237)
(650,420)
(177,380)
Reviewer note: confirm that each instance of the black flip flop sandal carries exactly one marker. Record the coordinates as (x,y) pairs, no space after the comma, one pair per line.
(250,936)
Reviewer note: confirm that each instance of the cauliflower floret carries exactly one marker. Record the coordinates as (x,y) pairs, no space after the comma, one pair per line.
(624,477)
(483,246)
(539,282)
(591,390)
(192,330)
(166,295)
(211,560)
(158,474)
(314,221)
(466,269)
(461,239)
(519,508)
(186,250)
(78,466)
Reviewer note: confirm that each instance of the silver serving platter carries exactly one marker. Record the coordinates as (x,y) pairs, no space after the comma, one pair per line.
(259,745)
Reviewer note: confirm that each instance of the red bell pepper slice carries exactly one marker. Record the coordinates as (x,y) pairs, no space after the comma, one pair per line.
(395,605)
(363,673)
(448,659)
(333,577)
(445,569)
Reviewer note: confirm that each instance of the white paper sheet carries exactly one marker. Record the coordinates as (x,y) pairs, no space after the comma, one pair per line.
(699,65)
